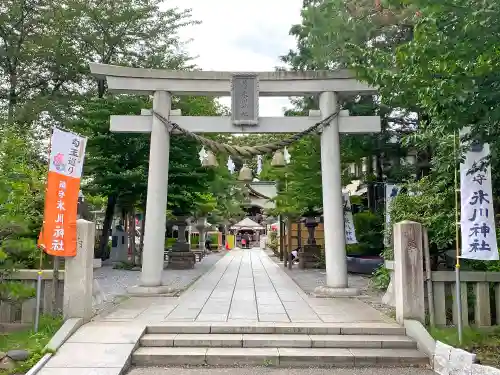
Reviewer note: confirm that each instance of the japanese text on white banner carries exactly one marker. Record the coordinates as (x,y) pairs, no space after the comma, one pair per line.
(350,231)
(477,217)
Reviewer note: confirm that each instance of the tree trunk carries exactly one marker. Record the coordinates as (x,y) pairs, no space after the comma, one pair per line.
(101,88)
(12,102)
(106,226)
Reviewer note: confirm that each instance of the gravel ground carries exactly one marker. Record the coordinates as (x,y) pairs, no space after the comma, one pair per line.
(277,371)
(311,278)
(114,282)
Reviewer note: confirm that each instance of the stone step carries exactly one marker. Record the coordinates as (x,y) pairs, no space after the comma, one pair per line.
(285,357)
(280,328)
(233,340)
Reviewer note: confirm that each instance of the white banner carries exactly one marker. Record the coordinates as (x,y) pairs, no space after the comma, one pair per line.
(350,231)
(67,151)
(477,217)
(391,191)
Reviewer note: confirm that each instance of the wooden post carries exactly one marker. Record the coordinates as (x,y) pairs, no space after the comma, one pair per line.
(282,244)
(428,273)
(286,259)
(289,241)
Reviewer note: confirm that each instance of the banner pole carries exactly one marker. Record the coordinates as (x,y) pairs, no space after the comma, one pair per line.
(458,291)
(38,292)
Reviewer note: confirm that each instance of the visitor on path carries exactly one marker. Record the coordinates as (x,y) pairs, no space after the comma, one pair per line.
(295,256)
(248,240)
(208,243)
(243,242)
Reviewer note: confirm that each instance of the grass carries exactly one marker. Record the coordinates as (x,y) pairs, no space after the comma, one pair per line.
(483,342)
(29,340)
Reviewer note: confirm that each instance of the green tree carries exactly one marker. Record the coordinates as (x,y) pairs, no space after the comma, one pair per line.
(325,38)
(37,58)
(21,195)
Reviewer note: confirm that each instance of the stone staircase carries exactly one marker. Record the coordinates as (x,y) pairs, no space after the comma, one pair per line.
(278,344)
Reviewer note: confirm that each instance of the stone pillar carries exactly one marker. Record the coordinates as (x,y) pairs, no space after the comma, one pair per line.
(119,245)
(156,205)
(333,205)
(409,272)
(79,274)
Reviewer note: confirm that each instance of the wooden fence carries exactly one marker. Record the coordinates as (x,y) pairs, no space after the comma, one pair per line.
(480,297)
(14,314)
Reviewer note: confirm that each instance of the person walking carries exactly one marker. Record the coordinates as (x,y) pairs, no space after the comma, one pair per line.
(208,244)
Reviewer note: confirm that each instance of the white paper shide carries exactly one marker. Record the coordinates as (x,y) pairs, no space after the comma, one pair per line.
(477,216)
(350,231)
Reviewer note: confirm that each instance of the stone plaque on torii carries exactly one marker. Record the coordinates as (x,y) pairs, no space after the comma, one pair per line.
(245,90)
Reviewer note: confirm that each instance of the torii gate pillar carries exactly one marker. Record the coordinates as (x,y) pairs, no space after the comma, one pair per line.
(333,205)
(162,84)
(156,204)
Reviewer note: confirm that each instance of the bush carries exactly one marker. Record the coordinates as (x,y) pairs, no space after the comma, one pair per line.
(273,243)
(381,278)
(369,233)
(169,242)
(434,208)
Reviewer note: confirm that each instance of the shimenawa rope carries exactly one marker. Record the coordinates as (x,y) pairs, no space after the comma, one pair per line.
(246,151)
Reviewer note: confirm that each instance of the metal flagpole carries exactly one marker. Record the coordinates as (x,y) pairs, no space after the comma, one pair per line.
(40,269)
(39,291)
(458,300)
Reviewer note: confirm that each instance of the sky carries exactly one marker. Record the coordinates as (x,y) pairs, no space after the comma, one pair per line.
(237,35)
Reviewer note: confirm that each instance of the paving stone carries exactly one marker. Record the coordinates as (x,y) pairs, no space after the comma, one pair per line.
(211,318)
(218,310)
(80,371)
(184,313)
(242,356)
(292,357)
(271,309)
(165,339)
(308,328)
(387,357)
(210,340)
(359,341)
(374,328)
(91,355)
(273,318)
(169,356)
(255,327)
(174,327)
(276,341)
(108,333)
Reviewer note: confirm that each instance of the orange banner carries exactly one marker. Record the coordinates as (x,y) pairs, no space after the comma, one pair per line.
(58,235)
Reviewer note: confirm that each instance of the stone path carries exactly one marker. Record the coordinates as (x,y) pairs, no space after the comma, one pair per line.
(245,286)
(309,279)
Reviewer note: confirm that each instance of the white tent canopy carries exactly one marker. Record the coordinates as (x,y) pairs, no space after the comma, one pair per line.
(247,224)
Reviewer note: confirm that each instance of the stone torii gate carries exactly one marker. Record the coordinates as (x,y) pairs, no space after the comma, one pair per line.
(245,89)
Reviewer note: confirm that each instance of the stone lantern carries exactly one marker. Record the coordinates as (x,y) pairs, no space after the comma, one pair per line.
(181,256)
(201,226)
